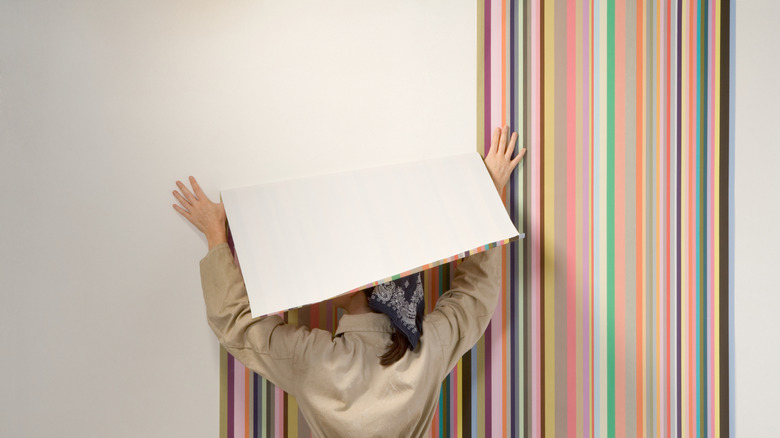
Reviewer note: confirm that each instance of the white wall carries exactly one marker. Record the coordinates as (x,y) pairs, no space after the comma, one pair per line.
(757,237)
(103,105)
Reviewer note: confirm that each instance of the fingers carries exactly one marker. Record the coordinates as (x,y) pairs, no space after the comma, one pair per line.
(518,158)
(511,148)
(186,192)
(196,188)
(207,217)
(494,141)
(181,199)
(498,144)
(182,211)
(504,138)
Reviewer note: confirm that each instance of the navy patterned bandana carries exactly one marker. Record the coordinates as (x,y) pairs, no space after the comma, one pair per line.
(403,301)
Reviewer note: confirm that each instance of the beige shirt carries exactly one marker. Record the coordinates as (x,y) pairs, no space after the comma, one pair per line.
(340,386)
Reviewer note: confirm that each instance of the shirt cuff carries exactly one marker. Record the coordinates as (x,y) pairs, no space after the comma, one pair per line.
(216,249)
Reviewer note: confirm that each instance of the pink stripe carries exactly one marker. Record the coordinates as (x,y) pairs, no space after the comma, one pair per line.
(586,211)
(279,425)
(493,375)
(571,259)
(495,65)
(535,223)
(433,432)
(239,399)
(691,218)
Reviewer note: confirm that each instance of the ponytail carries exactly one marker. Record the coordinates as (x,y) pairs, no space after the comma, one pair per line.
(399,343)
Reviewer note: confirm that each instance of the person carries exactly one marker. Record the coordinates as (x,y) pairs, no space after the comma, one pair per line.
(380,374)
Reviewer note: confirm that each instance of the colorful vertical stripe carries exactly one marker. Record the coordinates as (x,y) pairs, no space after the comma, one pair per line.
(616,317)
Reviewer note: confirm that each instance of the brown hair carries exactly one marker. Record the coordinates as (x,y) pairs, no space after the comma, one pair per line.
(399,343)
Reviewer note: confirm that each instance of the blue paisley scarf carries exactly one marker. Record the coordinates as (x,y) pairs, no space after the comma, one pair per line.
(403,301)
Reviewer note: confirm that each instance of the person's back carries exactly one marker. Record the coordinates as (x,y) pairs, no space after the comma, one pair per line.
(346,392)
(339,384)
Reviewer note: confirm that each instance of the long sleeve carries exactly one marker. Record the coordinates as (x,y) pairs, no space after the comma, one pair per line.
(462,314)
(265,345)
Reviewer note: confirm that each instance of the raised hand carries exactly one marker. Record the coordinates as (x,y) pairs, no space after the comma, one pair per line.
(207,216)
(499,161)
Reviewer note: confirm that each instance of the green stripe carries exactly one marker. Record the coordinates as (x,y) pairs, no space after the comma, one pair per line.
(611,218)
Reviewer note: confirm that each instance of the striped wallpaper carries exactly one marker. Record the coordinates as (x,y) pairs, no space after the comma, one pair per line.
(617,312)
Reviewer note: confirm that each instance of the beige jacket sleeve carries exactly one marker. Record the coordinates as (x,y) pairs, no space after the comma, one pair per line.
(462,314)
(265,345)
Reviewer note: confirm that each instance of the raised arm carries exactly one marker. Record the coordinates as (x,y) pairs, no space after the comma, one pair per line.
(463,313)
(265,345)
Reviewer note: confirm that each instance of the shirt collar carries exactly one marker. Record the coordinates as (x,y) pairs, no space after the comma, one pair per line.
(364,322)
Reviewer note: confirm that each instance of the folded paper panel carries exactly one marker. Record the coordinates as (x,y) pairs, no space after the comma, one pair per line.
(306,240)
